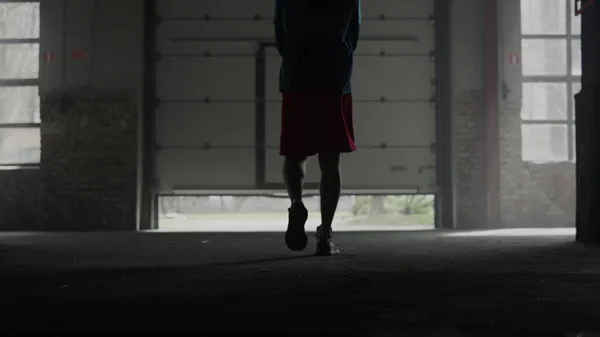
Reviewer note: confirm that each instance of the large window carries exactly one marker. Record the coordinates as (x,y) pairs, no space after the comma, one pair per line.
(551,48)
(19,95)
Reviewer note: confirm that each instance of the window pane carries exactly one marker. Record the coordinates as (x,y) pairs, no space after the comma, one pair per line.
(19,105)
(20,146)
(575,21)
(544,143)
(544,57)
(19,20)
(543,17)
(576,57)
(18,61)
(544,101)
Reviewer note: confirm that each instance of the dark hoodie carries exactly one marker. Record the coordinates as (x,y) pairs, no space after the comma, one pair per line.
(317,40)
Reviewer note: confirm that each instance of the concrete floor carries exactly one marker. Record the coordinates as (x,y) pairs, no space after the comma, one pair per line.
(503,283)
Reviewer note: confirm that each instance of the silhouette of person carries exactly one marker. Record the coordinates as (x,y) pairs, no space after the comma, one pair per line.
(317,40)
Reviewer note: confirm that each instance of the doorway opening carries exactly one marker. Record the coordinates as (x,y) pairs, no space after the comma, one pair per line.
(230,213)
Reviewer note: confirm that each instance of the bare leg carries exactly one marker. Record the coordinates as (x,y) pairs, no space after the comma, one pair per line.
(293,176)
(331,187)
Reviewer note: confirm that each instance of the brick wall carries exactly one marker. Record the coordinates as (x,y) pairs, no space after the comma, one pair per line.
(532,195)
(89,160)
(87,176)
(19,199)
(469,162)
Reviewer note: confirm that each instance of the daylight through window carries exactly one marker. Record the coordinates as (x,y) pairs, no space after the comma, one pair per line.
(19,95)
(551,48)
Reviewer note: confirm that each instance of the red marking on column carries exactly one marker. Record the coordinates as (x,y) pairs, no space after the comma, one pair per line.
(79,55)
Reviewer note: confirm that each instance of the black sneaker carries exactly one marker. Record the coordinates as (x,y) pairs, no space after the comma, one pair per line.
(295,236)
(324,245)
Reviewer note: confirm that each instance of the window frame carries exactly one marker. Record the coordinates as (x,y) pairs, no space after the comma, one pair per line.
(569,79)
(21,82)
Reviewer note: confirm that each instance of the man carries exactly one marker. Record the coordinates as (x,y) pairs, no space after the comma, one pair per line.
(316,40)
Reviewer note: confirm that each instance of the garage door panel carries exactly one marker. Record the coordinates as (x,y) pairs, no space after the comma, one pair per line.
(169,9)
(406,9)
(225,30)
(376,48)
(389,169)
(393,124)
(400,169)
(395,78)
(409,36)
(217,78)
(273,64)
(206,84)
(206,169)
(167,48)
(392,38)
(418,34)
(424,46)
(197,125)
(216,9)
(273,124)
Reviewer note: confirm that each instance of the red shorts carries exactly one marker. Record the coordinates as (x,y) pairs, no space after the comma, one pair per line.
(316,123)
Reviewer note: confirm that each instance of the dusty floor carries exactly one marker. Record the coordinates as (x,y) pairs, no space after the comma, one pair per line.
(481,284)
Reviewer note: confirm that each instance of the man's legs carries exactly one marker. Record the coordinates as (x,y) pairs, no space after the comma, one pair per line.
(293,176)
(330,190)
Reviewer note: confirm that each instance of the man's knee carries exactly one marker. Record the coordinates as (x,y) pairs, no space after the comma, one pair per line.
(294,166)
(294,160)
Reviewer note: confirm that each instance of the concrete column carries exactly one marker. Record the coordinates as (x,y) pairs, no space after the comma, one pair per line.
(588,123)
(89,110)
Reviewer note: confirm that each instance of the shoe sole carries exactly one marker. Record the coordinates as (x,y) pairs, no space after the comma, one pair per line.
(295,236)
